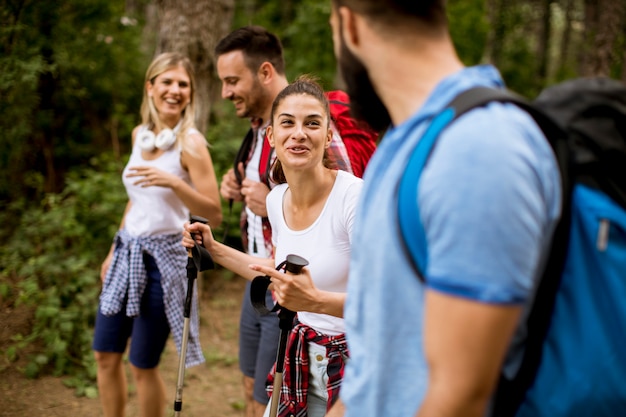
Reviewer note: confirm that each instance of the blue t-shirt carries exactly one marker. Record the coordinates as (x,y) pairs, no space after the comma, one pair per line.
(489,199)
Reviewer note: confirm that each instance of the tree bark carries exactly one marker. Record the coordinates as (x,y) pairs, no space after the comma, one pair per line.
(45,131)
(603,23)
(493,45)
(193,28)
(566,38)
(623,75)
(624,67)
(544,42)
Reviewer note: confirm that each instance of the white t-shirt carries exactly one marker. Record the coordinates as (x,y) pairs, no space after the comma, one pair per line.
(325,244)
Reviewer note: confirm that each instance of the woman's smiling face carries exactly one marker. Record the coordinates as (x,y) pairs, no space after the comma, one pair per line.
(300,131)
(170,92)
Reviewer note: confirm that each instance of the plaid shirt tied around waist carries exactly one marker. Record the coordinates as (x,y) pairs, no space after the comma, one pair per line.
(126,281)
(293,392)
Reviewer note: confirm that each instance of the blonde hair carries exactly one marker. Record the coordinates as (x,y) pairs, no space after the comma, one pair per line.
(149,114)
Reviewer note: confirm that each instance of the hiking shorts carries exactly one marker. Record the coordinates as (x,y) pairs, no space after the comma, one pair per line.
(148,332)
(258,342)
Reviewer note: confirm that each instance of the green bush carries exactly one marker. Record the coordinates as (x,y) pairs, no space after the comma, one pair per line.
(225,134)
(54,255)
(53,251)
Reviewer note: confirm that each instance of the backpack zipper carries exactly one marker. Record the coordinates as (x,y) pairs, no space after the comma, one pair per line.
(603,235)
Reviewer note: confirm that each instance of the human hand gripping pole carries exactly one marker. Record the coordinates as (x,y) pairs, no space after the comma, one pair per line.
(198,259)
(293,264)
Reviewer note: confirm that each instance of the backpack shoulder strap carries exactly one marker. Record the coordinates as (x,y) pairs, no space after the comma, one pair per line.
(411,228)
(243,152)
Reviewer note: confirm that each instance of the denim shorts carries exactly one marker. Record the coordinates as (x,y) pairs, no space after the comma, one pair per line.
(148,332)
(258,342)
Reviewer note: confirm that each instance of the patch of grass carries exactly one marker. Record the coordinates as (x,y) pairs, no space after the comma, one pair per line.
(216,358)
(238,405)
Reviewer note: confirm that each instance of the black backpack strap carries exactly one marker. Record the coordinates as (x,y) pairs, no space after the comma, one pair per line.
(243,152)
(481,96)
(242,156)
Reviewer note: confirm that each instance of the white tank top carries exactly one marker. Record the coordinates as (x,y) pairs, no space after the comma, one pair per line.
(155,210)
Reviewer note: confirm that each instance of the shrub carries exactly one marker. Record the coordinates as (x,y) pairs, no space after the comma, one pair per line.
(54,255)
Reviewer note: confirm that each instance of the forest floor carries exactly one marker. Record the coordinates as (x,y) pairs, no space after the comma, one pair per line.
(211,389)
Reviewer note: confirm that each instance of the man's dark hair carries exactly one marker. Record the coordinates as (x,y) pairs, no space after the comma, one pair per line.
(397,14)
(257,44)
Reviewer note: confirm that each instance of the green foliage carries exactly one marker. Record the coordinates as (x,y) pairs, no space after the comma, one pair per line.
(70,75)
(518,62)
(469,28)
(70,78)
(515,32)
(309,43)
(225,135)
(238,405)
(302,26)
(619,62)
(54,256)
(20,67)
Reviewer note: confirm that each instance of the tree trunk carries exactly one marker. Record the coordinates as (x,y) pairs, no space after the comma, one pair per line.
(603,23)
(46,120)
(543,51)
(493,45)
(624,65)
(623,57)
(193,28)
(566,38)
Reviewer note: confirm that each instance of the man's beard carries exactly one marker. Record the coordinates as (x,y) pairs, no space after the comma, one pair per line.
(254,105)
(365,104)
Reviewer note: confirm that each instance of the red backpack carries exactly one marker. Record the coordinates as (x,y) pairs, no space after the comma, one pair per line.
(358,138)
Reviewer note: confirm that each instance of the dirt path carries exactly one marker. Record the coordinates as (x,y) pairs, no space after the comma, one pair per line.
(212,389)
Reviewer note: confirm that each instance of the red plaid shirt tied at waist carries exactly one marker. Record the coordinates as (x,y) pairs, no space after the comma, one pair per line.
(293,392)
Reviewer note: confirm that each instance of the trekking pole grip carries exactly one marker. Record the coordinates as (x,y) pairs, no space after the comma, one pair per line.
(192,269)
(293,264)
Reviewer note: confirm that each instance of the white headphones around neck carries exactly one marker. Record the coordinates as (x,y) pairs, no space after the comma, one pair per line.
(148,141)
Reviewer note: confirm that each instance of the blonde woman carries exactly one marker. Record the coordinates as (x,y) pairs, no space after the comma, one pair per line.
(169,175)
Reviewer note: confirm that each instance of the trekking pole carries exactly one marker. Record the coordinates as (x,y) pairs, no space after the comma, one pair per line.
(198,259)
(293,264)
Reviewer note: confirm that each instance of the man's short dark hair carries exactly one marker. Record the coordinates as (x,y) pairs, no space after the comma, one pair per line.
(257,44)
(399,14)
